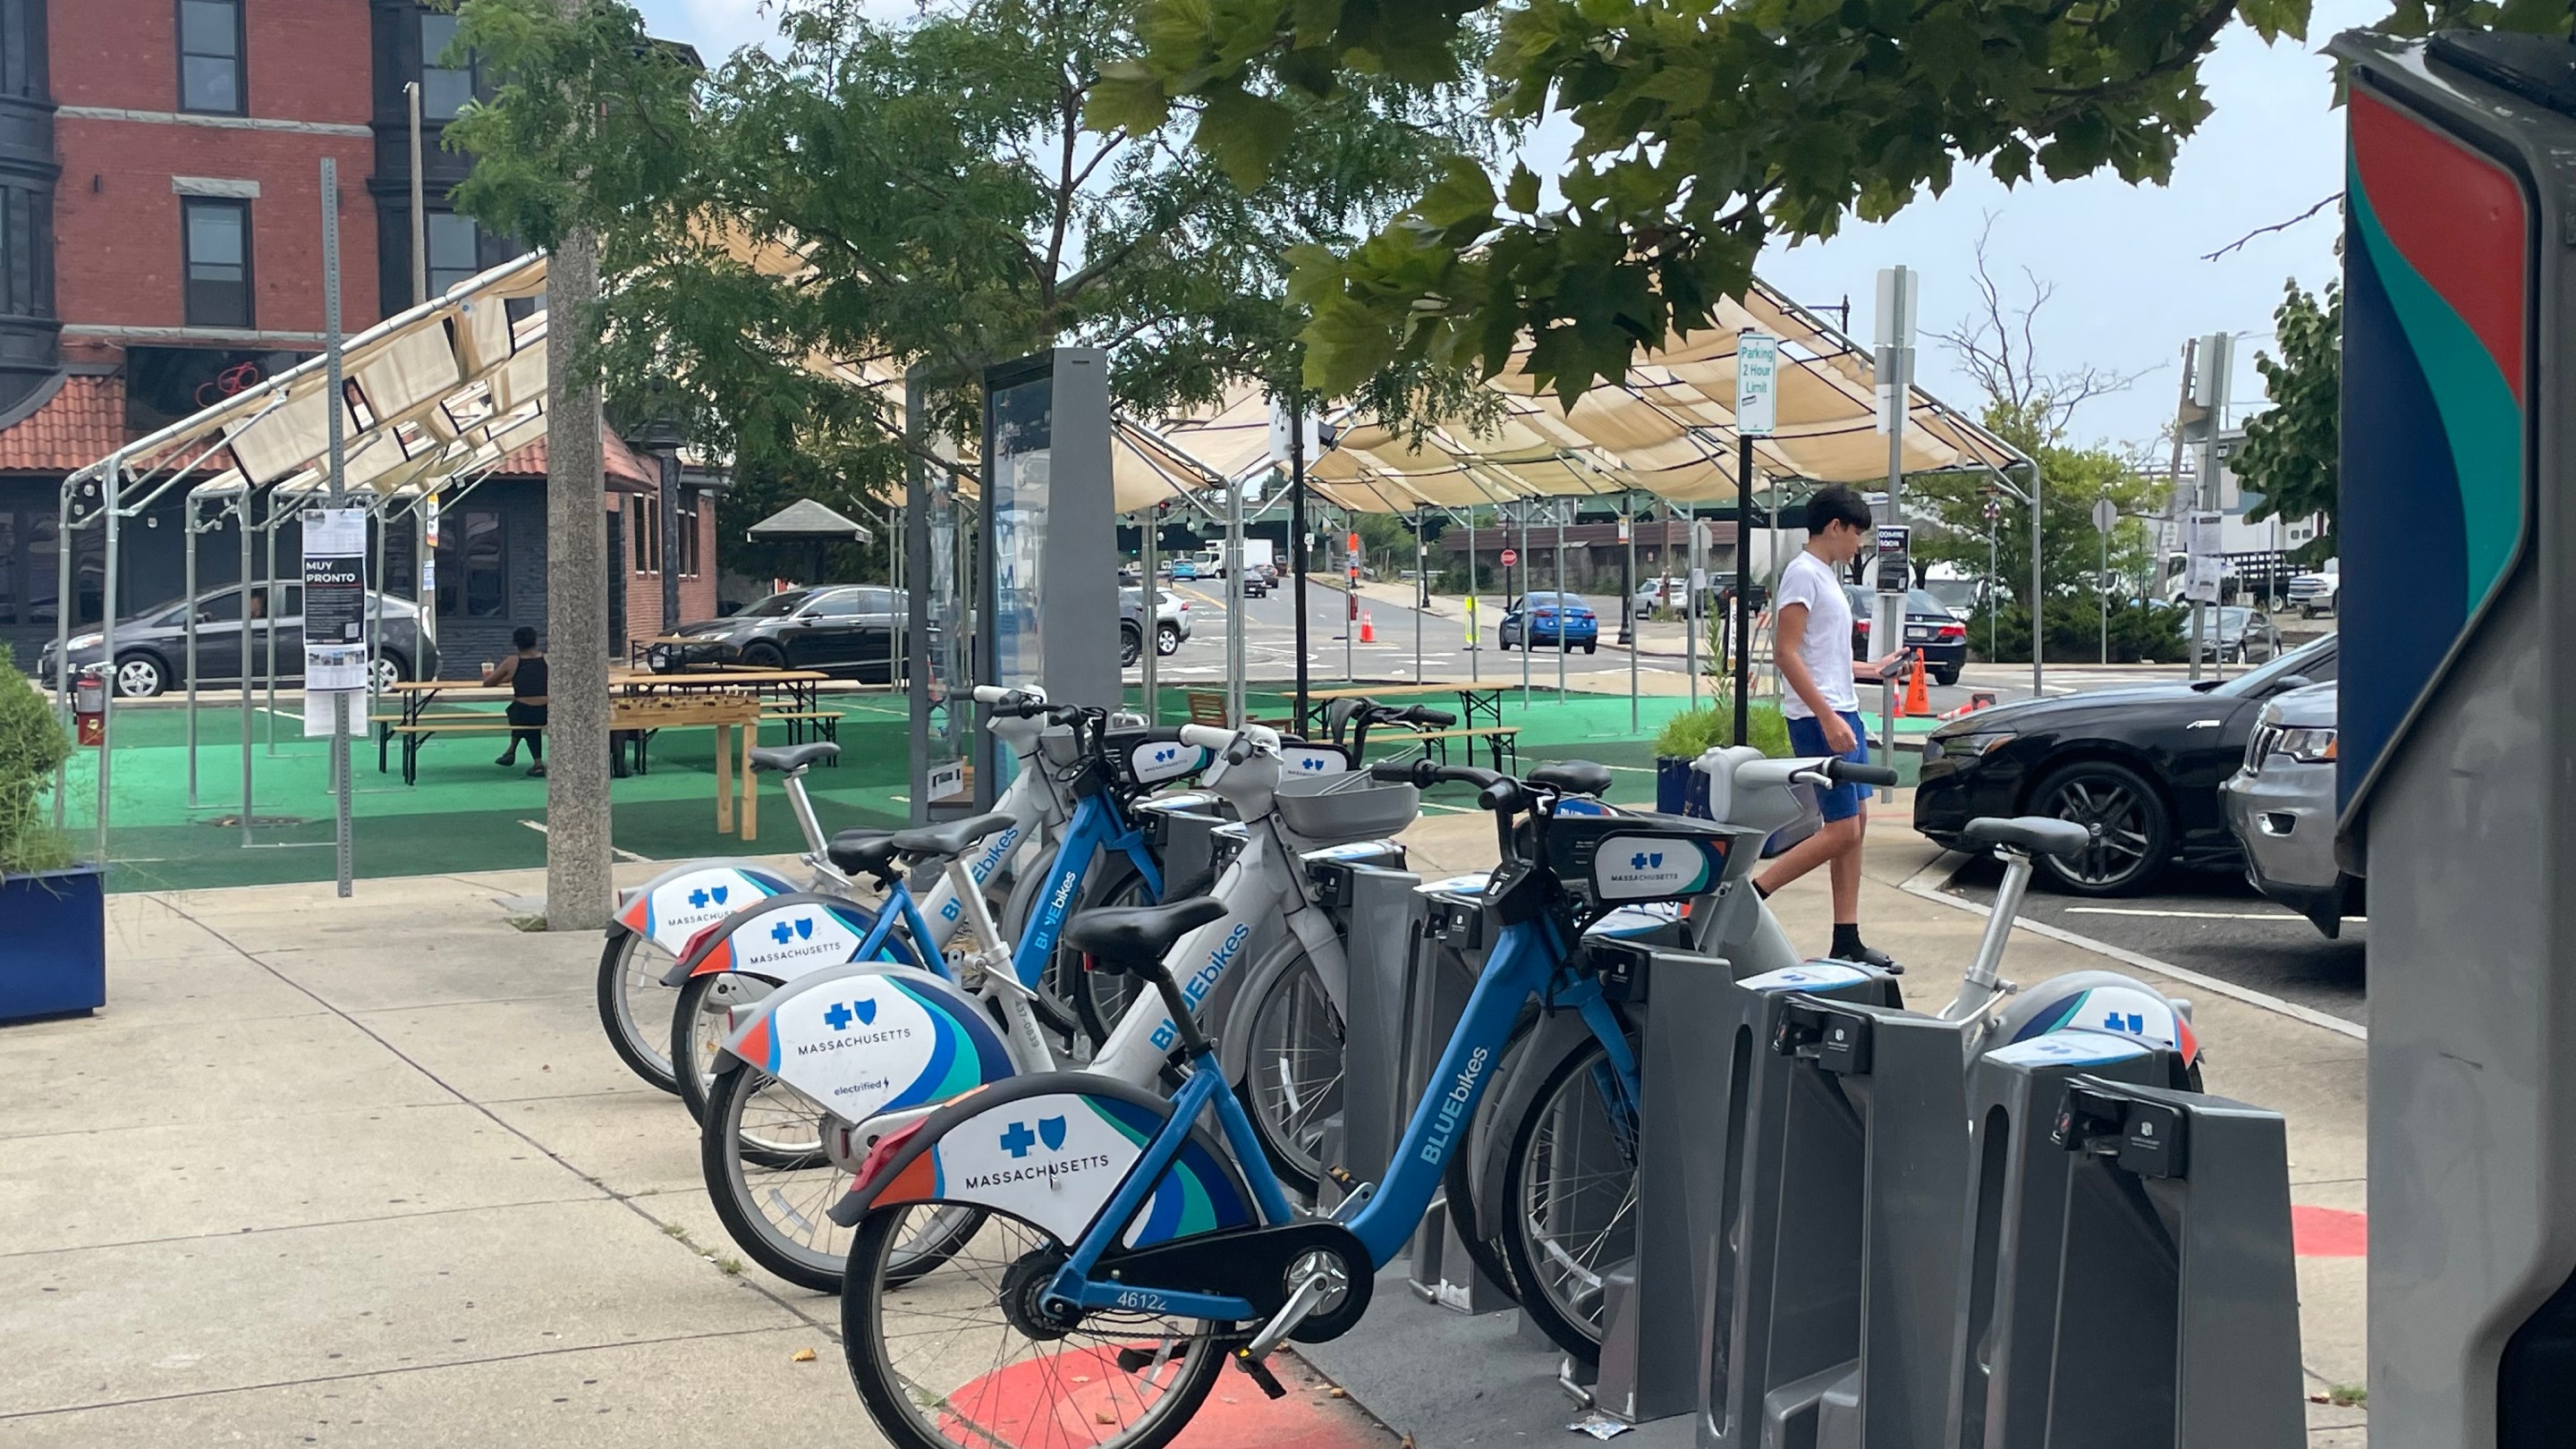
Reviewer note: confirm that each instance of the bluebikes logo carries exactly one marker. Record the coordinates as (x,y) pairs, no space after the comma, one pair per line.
(982,869)
(802,929)
(1644,860)
(1453,1108)
(2134,1023)
(846,1018)
(1206,977)
(1167,754)
(703,895)
(1020,1141)
(1017,1139)
(1313,763)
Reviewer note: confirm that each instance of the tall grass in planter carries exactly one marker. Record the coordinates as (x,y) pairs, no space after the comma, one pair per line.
(1680,790)
(53,925)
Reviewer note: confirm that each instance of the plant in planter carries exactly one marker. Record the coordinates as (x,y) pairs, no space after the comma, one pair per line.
(1680,790)
(53,956)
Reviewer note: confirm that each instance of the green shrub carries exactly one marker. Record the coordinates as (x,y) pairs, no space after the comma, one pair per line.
(32,743)
(1694,732)
(2138,634)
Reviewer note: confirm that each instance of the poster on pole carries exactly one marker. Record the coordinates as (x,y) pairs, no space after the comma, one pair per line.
(335,611)
(1757,381)
(1895,563)
(2200,552)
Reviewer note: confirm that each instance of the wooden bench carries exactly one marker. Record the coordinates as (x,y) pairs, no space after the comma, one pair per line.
(1207,707)
(825,723)
(1501,740)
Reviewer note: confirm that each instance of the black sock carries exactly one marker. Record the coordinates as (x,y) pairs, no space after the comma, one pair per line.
(1847,944)
(1762,890)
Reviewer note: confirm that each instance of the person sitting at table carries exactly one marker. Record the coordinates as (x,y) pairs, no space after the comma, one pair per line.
(525,673)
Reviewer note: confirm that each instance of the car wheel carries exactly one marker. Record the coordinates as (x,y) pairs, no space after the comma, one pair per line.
(764,656)
(140,676)
(1167,639)
(2132,832)
(1592,647)
(1945,677)
(1131,645)
(390,669)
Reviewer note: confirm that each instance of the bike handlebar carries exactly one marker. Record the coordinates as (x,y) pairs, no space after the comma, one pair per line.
(1852,772)
(996,694)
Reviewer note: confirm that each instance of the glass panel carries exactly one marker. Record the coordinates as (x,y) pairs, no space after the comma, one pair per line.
(486,590)
(223,608)
(841,605)
(455,250)
(8,568)
(212,27)
(444,89)
(210,83)
(214,240)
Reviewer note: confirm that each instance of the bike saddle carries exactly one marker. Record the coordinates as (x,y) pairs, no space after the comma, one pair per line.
(1136,938)
(1574,777)
(926,842)
(2038,834)
(788,759)
(853,851)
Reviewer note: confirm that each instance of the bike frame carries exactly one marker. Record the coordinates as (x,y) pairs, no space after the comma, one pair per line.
(1528,959)
(1097,826)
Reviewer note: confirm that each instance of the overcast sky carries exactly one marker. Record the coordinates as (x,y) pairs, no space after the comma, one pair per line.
(2125,261)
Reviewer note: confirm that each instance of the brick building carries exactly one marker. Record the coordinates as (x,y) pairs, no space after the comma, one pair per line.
(160,244)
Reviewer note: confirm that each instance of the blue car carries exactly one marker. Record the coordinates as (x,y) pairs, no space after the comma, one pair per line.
(1550,621)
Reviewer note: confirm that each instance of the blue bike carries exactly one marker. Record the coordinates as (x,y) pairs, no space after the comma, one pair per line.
(1128,1252)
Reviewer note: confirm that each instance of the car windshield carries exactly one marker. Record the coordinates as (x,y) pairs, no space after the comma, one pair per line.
(1951,593)
(776,605)
(1920,601)
(1553,601)
(2316,661)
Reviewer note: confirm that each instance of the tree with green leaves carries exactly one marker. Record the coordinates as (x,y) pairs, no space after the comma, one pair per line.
(2292,449)
(918,194)
(1704,130)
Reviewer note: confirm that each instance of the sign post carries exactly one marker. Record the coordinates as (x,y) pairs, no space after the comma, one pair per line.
(2106,515)
(342,626)
(1757,415)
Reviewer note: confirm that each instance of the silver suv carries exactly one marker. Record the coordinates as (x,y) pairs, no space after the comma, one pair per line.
(2281,806)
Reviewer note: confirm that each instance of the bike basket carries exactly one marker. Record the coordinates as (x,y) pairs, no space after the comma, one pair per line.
(1341,808)
(1060,747)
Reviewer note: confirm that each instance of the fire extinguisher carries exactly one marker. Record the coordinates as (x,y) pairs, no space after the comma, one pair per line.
(89,707)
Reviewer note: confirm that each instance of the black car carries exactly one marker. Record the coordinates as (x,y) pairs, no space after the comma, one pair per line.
(152,644)
(845,629)
(2140,768)
(1929,627)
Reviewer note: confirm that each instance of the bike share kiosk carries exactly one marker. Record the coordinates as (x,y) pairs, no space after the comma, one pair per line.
(2458,722)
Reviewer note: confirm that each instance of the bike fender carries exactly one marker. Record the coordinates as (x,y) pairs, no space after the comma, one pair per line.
(871,1037)
(2103,1001)
(1052,1149)
(1517,1080)
(781,938)
(675,905)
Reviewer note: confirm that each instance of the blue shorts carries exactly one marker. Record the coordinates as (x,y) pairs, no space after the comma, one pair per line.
(1807,738)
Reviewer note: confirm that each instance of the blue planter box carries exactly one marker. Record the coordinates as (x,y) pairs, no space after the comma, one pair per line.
(1679,789)
(53,949)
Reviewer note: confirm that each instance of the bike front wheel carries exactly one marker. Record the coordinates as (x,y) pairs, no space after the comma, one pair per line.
(1571,1205)
(700,1021)
(961,1357)
(1293,1068)
(634,1005)
(762,1154)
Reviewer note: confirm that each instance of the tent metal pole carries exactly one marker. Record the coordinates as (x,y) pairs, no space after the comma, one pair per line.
(1528,566)
(188,591)
(1743,642)
(1690,599)
(64,607)
(113,482)
(241,679)
(2038,610)
(1235,663)
(1558,508)
(1421,590)
(1297,541)
(1628,610)
(268,626)
(1475,672)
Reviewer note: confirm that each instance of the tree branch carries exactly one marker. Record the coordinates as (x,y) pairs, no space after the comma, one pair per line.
(2276,226)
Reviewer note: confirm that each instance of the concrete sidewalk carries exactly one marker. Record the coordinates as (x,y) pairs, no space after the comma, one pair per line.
(366,1173)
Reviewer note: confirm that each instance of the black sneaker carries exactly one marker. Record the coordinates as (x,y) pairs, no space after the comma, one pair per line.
(536,772)
(506,761)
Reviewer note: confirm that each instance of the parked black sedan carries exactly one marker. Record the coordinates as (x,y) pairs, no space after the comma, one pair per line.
(1929,629)
(2139,768)
(846,629)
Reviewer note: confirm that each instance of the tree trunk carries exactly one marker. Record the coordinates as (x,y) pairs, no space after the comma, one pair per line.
(578,886)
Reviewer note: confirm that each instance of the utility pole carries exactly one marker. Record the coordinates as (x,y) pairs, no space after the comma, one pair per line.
(1297,539)
(579,886)
(1897,289)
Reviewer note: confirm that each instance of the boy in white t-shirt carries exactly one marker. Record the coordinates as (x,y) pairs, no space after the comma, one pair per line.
(1812,639)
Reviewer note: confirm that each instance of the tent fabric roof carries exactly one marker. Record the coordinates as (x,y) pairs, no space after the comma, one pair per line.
(806,518)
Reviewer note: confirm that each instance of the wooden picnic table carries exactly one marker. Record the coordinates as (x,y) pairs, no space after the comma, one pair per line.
(633,711)
(1475,701)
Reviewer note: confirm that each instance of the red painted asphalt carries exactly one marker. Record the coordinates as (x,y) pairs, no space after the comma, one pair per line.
(2321,1232)
(1022,1407)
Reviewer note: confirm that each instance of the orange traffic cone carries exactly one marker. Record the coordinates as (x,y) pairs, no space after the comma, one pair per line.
(1918,701)
(1368,628)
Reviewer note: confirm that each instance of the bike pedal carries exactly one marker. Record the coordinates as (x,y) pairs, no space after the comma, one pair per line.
(1137,1360)
(1260,1374)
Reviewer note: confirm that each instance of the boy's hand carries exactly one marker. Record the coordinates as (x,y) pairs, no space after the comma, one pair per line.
(1887,661)
(1838,734)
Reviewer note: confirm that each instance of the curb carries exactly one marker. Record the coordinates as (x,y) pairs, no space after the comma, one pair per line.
(1947,864)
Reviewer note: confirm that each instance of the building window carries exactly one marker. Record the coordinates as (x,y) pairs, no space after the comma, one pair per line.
(455,250)
(644,519)
(217,242)
(473,566)
(689,535)
(210,56)
(444,89)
